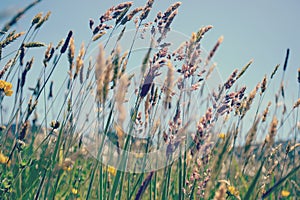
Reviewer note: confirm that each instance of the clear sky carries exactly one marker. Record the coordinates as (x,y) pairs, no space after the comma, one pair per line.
(259,30)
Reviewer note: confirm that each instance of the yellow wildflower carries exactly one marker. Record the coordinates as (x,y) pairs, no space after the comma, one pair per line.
(233,191)
(285,193)
(222,136)
(7,86)
(111,170)
(4,159)
(74,191)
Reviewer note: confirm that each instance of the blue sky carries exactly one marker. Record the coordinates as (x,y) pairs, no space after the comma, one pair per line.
(259,30)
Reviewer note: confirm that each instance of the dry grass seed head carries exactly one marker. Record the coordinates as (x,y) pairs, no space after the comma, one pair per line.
(265,113)
(6,67)
(272,132)
(146,9)
(263,85)
(121,91)
(8,40)
(202,31)
(244,69)
(169,84)
(79,60)
(213,51)
(71,52)
(43,20)
(99,69)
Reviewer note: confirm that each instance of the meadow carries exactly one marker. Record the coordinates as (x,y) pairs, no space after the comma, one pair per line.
(140,117)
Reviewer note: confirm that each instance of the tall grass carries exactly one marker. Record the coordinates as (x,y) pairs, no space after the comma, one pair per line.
(152,132)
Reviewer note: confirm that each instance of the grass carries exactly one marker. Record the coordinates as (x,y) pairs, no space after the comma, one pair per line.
(152,132)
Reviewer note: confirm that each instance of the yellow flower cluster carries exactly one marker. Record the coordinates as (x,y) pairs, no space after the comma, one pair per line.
(6,87)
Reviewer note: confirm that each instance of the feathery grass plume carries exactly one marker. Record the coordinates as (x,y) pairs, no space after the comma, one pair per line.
(43,20)
(130,15)
(99,70)
(249,100)
(296,104)
(170,9)
(26,70)
(98,36)
(10,39)
(266,111)
(244,69)
(201,32)
(169,84)
(124,5)
(34,44)
(269,140)
(213,51)
(36,18)
(221,192)
(16,18)
(71,54)
(263,85)
(122,13)
(107,78)
(170,20)
(121,91)
(231,80)
(65,45)
(146,9)
(48,54)
(107,15)
(286,59)
(79,61)
(274,71)
(116,65)
(6,67)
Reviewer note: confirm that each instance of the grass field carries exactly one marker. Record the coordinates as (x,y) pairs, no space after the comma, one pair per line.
(160,130)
